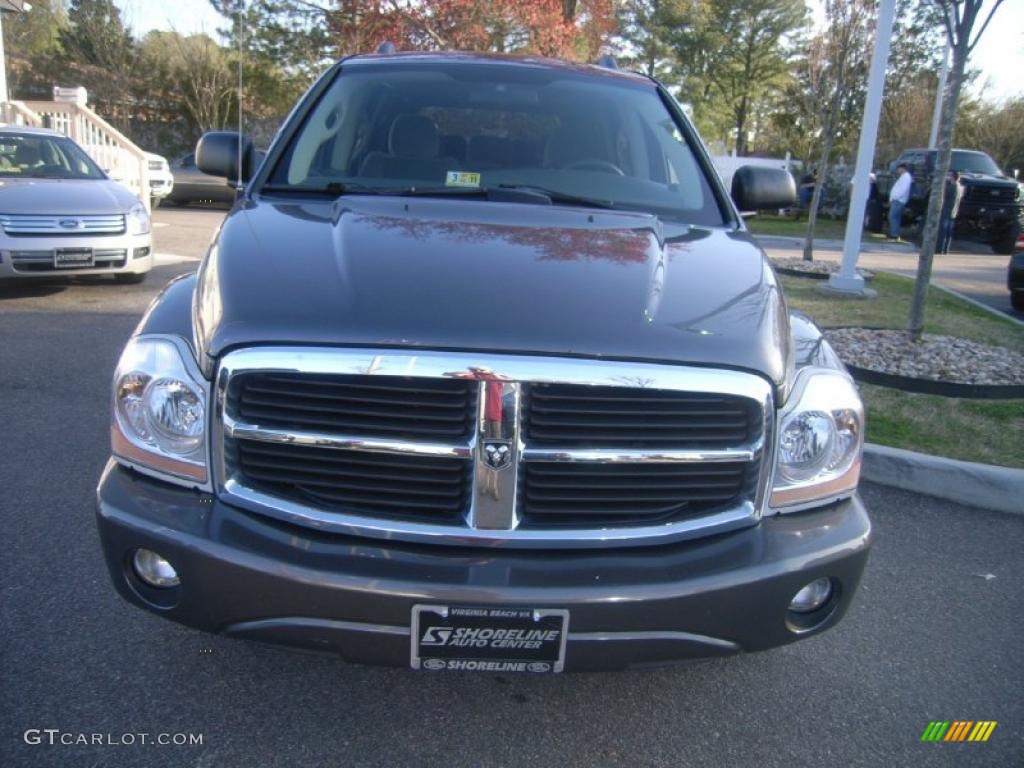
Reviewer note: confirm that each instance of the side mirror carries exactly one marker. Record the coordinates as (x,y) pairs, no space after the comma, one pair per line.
(755,188)
(217,154)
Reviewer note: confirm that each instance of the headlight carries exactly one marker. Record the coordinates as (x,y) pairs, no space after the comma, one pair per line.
(160,402)
(138,220)
(820,439)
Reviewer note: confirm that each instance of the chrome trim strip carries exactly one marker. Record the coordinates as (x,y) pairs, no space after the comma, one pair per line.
(670,635)
(460,535)
(288,622)
(245,431)
(622,455)
(508,369)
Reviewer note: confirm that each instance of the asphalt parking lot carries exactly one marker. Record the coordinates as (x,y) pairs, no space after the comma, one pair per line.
(935,632)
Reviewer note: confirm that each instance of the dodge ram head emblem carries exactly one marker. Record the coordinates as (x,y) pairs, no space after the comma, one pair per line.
(497,453)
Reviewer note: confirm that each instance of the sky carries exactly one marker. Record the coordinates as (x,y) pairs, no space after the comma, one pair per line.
(999,56)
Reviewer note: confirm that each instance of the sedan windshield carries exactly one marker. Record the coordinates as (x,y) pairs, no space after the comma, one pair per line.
(37,156)
(393,128)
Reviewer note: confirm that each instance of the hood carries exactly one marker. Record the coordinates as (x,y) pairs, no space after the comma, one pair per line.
(988,179)
(64,196)
(471,275)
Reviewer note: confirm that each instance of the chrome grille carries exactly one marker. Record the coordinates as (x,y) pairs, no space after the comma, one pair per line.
(564,414)
(568,494)
(491,450)
(406,487)
(26,224)
(42,261)
(979,193)
(413,409)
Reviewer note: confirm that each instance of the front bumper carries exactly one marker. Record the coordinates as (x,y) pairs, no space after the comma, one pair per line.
(19,254)
(243,575)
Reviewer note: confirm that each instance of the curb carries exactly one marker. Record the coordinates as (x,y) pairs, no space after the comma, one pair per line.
(977,485)
(978,304)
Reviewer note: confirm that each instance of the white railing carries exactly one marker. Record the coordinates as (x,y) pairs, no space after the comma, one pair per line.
(16,113)
(114,152)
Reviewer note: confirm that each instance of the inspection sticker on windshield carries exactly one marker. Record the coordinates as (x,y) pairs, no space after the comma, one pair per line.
(488,639)
(462,179)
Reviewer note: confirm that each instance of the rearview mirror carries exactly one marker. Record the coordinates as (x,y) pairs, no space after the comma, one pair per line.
(217,154)
(755,188)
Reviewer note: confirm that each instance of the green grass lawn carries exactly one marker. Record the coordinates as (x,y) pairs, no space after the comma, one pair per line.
(824,229)
(988,431)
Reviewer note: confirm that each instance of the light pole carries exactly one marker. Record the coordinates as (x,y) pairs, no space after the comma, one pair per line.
(933,137)
(848,280)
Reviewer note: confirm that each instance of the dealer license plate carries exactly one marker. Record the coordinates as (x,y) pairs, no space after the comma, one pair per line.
(66,258)
(467,638)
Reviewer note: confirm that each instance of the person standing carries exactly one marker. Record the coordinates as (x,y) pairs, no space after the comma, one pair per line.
(899,196)
(950,208)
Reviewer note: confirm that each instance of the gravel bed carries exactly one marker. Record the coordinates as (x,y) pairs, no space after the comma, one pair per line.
(797,264)
(939,358)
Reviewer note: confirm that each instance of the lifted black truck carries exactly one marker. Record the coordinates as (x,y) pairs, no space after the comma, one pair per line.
(483,371)
(992,209)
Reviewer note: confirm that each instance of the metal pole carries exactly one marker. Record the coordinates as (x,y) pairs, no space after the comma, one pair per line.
(940,94)
(848,280)
(241,33)
(3,66)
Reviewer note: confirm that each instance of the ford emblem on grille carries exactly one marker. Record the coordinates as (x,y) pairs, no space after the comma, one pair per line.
(70,223)
(497,454)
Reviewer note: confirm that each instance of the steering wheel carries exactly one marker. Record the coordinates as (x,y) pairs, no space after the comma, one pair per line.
(595,165)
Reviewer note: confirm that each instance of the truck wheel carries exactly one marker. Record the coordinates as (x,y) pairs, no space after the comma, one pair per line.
(873,215)
(1017,300)
(1004,244)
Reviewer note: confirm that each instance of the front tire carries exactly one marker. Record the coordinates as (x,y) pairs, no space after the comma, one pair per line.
(131,278)
(1004,245)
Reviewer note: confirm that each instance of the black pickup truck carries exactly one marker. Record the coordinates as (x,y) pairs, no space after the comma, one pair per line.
(991,210)
(483,372)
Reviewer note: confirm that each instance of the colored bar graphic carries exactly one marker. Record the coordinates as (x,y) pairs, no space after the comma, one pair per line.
(959,730)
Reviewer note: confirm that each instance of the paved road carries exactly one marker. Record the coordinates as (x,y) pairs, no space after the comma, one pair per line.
(972,269)
(934,633)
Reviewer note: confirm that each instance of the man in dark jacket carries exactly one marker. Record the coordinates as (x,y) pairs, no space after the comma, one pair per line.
(950,208)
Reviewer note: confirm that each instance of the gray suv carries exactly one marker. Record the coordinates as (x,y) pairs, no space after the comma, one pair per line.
(484,372)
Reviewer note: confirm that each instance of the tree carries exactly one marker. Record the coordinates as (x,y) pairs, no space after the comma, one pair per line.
(959,17)
(737,55)
(99,53)
(646,32)
(911,79)
(841,50)
(32,44)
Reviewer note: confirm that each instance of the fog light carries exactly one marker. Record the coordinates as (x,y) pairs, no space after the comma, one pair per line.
(140,253)
(153,569)
(812,596)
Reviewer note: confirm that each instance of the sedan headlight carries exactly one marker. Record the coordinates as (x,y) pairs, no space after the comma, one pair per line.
(820,440)
(137,220)
(160,400)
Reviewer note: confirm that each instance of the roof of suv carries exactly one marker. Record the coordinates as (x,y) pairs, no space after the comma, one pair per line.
(464,57)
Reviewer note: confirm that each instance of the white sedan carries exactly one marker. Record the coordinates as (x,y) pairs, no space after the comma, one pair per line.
(61,215)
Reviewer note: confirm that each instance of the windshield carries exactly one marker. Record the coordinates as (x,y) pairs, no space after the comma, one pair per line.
(450,127)
(974,162)
(37,156)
